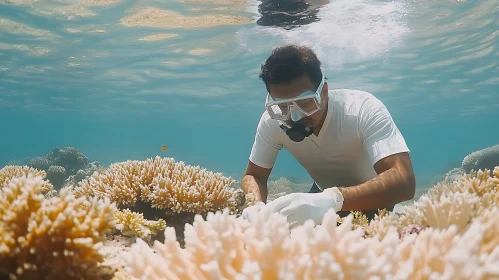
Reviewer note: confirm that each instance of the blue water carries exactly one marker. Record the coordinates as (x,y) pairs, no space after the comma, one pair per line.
(433,63)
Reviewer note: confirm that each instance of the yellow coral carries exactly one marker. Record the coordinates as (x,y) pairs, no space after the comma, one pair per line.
(133,223)
(13,171)
(163,183)
(56,238)
(359,220)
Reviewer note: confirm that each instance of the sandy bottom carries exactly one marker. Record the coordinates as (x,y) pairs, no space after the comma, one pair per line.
(153,17)
(200,51)
(157,37)
(112,251)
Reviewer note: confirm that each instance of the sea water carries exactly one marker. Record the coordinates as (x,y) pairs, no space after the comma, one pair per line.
(87,74)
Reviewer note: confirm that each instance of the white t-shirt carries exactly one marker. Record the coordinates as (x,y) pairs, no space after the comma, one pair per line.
(357,132)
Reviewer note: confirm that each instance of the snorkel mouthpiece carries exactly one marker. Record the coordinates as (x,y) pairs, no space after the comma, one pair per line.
(298,131)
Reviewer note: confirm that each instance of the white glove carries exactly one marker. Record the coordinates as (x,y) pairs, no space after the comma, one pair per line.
(299,207)
(250,212)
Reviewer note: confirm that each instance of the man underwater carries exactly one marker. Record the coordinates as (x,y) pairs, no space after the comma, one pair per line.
(345,139)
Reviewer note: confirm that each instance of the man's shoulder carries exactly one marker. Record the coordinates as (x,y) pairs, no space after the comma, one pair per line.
(350,95)
(353,101)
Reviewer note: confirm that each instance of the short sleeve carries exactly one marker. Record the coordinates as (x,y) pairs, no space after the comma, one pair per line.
(266,145)
(380,135)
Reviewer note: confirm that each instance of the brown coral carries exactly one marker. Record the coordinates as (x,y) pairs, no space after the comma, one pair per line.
(56,238)
(13,171)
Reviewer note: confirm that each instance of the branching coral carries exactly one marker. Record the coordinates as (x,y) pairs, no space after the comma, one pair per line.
(447,203)
(223,247)
(164,183)
(133,223)
(160,186)
(9,172)
(56,238)
(441,237)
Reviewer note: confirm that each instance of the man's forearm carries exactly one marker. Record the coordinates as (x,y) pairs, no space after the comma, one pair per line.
(250,185)
(386,189)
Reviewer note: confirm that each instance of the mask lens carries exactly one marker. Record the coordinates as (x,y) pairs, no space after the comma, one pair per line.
(278,111)
(308,105)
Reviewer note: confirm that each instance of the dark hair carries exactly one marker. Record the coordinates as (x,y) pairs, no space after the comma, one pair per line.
(291,62)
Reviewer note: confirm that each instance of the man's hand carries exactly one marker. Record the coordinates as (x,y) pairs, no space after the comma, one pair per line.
(249,213)
(299,207)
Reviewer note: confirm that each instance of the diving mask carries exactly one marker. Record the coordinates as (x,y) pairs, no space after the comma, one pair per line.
(295,108)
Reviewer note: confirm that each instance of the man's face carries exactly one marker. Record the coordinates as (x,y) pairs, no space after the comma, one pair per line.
(295,88)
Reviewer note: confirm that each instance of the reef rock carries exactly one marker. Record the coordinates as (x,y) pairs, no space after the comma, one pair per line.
(486,158)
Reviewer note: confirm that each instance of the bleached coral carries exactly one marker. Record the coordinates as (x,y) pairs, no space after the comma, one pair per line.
(56,238)
(223,247)
(440,237)
(9,172)
(447,203)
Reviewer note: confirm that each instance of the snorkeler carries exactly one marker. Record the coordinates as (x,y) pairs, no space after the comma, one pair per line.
(345,139)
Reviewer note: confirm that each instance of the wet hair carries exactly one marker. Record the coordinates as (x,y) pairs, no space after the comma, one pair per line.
(290,62)
(287,14)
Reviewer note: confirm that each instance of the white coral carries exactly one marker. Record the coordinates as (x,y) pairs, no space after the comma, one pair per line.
(457,237)
(223,247)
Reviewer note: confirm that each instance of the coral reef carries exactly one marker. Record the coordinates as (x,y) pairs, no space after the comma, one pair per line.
(68,157)
(447,203)
(56,175)
(451,232)
(63,166)
(9,172)
(51,238)
(483,159)
(83,173)
(161,188)
(132,223)
(486,158)
(102,228)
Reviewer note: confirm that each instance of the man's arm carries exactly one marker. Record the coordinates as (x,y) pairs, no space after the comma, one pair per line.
(266,147)
(386,149)
(255,180)
(394,183)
